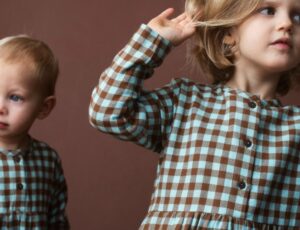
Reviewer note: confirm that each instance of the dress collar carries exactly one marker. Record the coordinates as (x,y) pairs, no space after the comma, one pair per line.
(20,151)
(275,102)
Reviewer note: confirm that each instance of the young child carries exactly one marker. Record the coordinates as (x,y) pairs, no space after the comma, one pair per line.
(229,151)
(33,192)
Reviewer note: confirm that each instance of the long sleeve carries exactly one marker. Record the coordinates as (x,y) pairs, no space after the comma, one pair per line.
(121,107)
(57,211)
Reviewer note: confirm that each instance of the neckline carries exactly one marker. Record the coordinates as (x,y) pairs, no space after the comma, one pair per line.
(18,151)
(275,102)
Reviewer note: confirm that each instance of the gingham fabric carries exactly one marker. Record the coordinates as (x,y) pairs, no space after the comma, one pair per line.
(228,160)
(33,192)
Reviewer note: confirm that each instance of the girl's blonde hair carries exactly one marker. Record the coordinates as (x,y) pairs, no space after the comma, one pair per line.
(22,48)
(214,20)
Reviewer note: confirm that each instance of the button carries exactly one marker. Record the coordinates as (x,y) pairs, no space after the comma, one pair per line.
(252,104)
(242,184)
(17,159)
(20,186)
(248,143)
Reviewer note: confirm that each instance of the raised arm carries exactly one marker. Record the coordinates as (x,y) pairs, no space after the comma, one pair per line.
(120,106)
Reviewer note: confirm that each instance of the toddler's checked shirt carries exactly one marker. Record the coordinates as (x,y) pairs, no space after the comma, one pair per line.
(33,192)
(228,160)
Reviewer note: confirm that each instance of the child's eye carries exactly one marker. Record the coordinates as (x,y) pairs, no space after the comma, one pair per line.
(296,18)
(267,10)
(16,98)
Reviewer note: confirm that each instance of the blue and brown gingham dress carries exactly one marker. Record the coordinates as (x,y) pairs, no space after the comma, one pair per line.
(33,192)
(228,160)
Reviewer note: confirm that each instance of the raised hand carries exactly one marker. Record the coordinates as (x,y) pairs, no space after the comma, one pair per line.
(176,30)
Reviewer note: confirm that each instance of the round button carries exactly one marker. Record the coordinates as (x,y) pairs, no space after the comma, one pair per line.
(20,186)
(248,143)
(17,159)
(252,104)
(241,185)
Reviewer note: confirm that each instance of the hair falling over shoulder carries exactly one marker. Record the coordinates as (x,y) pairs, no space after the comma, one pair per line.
(209,48)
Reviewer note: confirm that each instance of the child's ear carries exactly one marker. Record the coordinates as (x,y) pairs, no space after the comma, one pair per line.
(47,106)
(231,36)
(229,39)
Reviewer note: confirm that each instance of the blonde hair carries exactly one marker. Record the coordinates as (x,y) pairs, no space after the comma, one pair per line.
(22,48)
(214,20)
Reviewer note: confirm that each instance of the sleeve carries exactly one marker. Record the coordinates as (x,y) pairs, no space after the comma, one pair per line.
(57,212)
(121,107)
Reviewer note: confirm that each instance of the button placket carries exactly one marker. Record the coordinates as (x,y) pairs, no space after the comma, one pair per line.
(253,105)
(243,184)
(20,185)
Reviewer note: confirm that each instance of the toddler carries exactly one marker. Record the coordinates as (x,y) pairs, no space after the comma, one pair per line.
(33,192)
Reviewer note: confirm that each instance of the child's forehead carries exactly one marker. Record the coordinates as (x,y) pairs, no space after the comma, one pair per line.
(11,58)
(12,53)
(19,67)
(279,2)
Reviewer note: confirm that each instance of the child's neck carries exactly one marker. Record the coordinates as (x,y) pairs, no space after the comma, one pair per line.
(262,86)
(13,144)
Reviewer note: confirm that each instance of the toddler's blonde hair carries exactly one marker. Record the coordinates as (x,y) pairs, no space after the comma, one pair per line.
(22,48)
(214,20)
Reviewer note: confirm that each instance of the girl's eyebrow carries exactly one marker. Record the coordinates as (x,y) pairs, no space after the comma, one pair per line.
(272,2)
(278,2)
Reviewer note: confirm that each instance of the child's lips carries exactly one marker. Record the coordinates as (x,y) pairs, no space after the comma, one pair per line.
(282,43)
(3,125)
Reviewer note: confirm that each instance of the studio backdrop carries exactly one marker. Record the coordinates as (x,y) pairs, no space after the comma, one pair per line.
(110,182)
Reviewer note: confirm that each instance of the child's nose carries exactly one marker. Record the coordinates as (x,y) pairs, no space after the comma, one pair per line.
(285,23)
(3,108)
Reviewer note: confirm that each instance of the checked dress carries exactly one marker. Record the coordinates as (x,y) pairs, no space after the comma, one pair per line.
(33,191)
(227,159)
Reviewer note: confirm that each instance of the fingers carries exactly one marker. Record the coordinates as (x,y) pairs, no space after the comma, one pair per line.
(182,19)
(167,13)
(179,18)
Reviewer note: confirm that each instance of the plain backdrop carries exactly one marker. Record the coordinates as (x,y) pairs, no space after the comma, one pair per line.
(110,182)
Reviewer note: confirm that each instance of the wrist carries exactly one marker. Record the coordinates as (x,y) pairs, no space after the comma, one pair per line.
(155,33)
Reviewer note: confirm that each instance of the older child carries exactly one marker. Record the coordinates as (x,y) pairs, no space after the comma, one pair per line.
(229,151)
(33,191)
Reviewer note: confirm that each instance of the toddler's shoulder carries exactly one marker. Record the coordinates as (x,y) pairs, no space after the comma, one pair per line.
(41,149)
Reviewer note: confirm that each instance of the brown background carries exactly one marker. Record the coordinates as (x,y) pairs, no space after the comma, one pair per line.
(110,182)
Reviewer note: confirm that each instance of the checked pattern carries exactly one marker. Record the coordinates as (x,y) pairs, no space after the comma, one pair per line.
(228,160)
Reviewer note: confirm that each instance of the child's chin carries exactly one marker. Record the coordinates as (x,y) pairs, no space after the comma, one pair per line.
(280,67)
